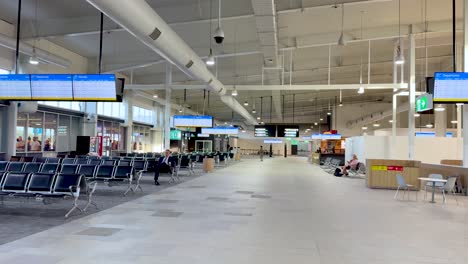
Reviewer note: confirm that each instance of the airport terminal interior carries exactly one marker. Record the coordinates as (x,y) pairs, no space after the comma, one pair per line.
(234,131)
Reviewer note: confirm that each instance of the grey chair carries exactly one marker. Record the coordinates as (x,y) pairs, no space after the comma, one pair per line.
(429,185)
(402,185)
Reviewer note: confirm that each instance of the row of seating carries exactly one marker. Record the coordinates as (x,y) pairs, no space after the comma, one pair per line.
(331,164)
(46,185)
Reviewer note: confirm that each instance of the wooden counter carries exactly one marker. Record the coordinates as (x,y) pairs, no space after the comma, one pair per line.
(381,173)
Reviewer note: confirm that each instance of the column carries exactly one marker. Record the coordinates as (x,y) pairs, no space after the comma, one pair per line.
(128,103)
(412,94)
(9,130)
(465,67)
(394,107)
(167,109)
(90,120)
(440,123)
(158,131)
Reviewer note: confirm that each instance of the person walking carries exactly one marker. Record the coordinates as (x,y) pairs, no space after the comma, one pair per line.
(261,153)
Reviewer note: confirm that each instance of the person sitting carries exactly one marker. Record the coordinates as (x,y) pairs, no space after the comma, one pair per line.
(352,164)
(166,164)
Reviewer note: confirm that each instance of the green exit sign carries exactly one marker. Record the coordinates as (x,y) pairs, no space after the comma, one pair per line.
(424,103)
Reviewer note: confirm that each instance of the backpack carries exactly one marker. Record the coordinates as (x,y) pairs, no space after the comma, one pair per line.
(338,172)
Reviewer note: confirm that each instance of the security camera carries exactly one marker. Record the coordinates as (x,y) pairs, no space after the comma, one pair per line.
(219,35)
(89,117)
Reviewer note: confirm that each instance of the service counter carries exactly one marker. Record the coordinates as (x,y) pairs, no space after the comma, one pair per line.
(381,173)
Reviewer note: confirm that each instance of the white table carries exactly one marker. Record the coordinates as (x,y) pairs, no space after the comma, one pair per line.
(433,184)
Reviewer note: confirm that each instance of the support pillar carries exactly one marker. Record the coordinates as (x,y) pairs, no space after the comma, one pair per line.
(440,123)
(412,93)
(90,120)
(9,128)
(465,67)
(167,109)
(128,102)
(394,107)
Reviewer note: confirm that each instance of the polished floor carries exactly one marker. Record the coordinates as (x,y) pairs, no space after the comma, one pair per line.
(276,211)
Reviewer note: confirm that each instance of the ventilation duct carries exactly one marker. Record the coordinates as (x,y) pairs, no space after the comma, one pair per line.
(140,20)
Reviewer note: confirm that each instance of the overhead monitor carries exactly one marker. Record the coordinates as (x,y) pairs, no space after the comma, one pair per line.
(220,130)
(291,131)
(119,89)
(273,141)
(265,131)
(450,87)
(15,87)
(94,87)
(51,87)
(193,121)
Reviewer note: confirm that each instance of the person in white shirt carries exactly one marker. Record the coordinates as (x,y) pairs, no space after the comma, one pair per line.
(166,164)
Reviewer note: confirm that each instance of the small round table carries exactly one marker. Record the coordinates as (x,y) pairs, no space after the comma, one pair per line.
(433,184)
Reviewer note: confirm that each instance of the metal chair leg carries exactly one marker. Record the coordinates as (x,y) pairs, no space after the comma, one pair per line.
(396,194)
(455,196)
(443,194)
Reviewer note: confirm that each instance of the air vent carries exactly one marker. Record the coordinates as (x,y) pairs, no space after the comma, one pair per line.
(189,64)
(155,34)
(210,81)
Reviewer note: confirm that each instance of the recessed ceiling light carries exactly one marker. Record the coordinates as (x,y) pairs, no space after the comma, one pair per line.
(390,121)
(364,128)
(417,115)
(376,125)
(429,125)
(258,118)
(155,96)
(321,119)
(454,122)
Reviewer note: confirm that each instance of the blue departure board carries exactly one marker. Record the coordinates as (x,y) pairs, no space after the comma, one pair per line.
(15,87)
(55,87)
(94,87)
(450,87)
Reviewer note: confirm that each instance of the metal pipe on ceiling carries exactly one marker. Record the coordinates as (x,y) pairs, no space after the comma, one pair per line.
(140,20)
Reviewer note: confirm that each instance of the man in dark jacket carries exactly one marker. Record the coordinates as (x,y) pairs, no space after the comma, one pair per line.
(166,164)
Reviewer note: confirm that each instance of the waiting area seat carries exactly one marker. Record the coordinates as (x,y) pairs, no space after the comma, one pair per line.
(43,186)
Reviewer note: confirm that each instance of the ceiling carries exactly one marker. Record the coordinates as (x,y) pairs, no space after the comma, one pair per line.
(305,29)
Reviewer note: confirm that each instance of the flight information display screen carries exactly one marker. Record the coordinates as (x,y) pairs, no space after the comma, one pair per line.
(55,87)
(288,131)
(450,87)
(94,87)
(193,121)
(265,131)
(15,87)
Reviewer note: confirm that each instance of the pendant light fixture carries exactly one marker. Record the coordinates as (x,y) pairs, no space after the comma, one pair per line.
(33,60)
(329,108)
(210,61)
(341,99)
(361,88)
(253,108)
(341,40)
(246,103)
(234,91)
(400,58)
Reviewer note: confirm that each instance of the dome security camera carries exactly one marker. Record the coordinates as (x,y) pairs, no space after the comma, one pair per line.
(219,35)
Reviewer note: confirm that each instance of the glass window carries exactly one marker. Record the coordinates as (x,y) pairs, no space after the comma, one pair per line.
(21,132)
(34,142)
(111,109)
(143,115)
(50,127)
(2,71)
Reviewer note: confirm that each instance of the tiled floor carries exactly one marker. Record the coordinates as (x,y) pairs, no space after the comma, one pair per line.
(278,211)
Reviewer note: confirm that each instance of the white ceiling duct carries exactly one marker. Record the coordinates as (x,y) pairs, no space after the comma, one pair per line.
(140,20)
(42,55)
